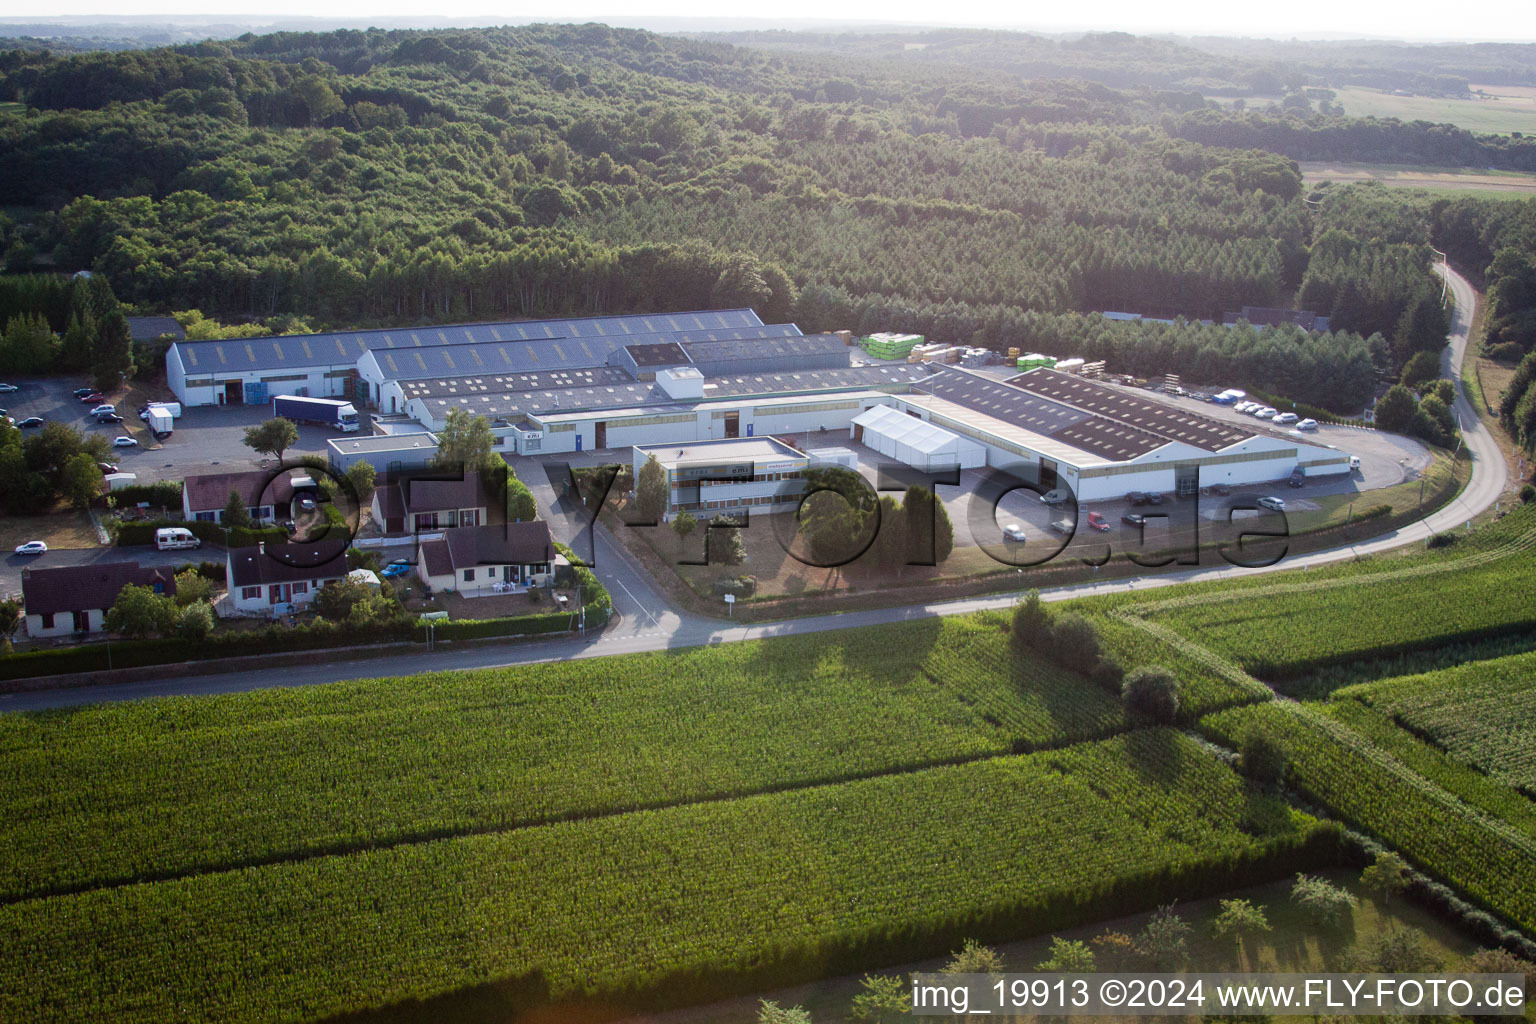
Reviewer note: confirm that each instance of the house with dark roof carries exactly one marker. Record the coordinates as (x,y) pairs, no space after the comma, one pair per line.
(429,501)
(71,599)
(272,580)
(267,495)
(485,560)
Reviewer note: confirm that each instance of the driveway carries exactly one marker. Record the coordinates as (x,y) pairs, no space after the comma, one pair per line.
(12,565)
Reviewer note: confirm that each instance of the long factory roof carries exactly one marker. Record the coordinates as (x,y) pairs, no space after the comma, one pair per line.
(494,398)
(1101,421)
(338,348)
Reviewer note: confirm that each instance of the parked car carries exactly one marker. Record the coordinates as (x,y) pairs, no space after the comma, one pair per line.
(1096,521)
(1056,497)
(82,392)
(32,547)
(7,388)
(1286,418)
(143,412)
(1136,497)
(290,526)
(1014,532)
(32,421)
(1297,478)
(106,468)
(399,567)
(108,417)
(124,441)
(1307,424)
(94,396)
(1273,503)
(104,408)
(1245,406)
(1267,413)
(1154,498)
(1063,525)
(1133,519)
(305,503)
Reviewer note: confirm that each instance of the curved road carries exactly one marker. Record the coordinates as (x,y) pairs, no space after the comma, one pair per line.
(647,623)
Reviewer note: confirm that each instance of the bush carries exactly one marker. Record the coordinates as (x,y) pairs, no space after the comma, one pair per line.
(1109,674)
(1262,760)
(1443,540)
(1152,692)
(1527,493)
(1506,352)
(1327,903)
(1031,625)
(1075,643)
(1421,367)
(196,621)
(165,494)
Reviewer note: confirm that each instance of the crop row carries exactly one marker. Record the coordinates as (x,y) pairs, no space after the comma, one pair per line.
(1464,782)
(1483,713)
(674,905)
(1298,627)
(1489,859)
(134,791)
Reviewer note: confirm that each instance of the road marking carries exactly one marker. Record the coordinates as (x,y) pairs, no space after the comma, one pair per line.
(633,598)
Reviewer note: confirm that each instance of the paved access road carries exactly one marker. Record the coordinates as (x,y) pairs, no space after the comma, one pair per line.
(648,624)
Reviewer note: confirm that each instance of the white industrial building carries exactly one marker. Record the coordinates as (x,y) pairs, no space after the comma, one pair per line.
(907,438)
(606,383)
(761,474)
(1103,442)
(386,453)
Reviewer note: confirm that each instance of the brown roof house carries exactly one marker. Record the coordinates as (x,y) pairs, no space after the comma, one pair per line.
(267,496)
(276,580)
(74,598)
(430,501)
(485,560)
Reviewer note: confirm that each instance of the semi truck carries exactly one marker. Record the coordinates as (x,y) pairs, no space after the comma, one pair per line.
(330,412)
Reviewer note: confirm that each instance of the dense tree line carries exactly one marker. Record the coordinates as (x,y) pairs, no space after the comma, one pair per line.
(1367,139)
(356,178)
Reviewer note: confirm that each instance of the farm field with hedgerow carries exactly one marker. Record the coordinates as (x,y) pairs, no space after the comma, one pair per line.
(682,902)
(131,791)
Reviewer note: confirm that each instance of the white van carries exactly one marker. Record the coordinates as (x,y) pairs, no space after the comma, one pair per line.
(176,538)
(1354,462)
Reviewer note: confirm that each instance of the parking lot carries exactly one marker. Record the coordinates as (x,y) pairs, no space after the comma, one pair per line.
(55,402)
(211,439)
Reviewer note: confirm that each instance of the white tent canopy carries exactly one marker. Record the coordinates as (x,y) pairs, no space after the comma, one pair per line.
(916,442)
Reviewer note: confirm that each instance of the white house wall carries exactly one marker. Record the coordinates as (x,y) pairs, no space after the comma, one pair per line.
(64,623)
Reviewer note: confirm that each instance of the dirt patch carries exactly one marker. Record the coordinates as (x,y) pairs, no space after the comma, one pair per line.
(61,529)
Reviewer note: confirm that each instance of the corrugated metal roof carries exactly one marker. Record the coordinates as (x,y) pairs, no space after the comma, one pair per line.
(763,347)
(1115,411)
(566,391)
(345,347)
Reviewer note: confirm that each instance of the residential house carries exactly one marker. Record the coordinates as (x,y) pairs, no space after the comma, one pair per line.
(283,578)
(72,599)
(485,560)
(268,496)
(427,502)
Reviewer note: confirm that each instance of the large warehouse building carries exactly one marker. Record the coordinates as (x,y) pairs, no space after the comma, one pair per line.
(684,378)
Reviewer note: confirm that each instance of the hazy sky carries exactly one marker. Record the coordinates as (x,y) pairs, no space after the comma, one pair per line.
(1494,20)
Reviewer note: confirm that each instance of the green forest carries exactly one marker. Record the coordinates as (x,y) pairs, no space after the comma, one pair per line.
(362,178)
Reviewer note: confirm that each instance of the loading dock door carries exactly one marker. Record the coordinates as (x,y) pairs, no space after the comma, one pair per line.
(858,433)
(601,432)
(732,424)
(234,393)
(1048,474)
(1186,480)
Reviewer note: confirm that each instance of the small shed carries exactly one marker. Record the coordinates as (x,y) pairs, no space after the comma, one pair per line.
(916,442)
(845,457)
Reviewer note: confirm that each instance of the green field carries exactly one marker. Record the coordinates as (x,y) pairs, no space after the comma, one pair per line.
(1293,626)
(125,792)
(1469,846)
(1483,714)
(673,904)
(1512,111)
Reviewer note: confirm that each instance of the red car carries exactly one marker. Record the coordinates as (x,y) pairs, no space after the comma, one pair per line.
(93,397)
(1097,521)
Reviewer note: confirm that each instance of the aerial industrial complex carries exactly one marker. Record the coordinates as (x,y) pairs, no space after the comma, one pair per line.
(684,378)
